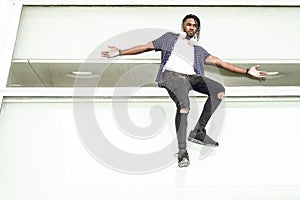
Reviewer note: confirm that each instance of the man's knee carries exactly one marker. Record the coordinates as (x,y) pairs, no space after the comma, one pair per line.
(220,95)
(184,110)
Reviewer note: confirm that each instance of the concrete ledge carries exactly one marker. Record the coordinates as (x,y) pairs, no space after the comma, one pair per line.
(252,91)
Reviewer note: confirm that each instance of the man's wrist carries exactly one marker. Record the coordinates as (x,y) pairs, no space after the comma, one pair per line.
(247,71)
(120,52)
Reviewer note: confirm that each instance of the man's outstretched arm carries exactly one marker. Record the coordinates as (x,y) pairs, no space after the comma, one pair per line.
(212,60)
(114,51)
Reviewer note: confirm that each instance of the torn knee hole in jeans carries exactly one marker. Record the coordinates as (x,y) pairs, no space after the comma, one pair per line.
(221,95)
(184,110)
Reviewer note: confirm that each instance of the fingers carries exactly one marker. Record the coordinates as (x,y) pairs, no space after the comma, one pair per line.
(109,53)
(264,74)
(256,66)
(258,74)
(105,54)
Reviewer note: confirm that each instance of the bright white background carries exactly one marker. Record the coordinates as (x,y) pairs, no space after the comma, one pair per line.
(42,158)
(41,153)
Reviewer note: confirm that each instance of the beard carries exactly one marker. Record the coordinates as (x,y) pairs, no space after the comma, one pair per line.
(190,33)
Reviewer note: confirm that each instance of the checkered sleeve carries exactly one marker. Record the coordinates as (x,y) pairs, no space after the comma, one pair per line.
(160,42)
(204,53)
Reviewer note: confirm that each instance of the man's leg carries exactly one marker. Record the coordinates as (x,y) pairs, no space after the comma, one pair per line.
(178,88)
(180,121)
(215,92)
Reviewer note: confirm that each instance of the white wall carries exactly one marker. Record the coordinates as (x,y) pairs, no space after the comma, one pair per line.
(43,157)
(5,7)
(5,11)
(10,14)
(5,17)
(232,33)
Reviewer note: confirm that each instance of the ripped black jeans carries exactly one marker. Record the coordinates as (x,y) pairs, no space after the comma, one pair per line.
(178,86)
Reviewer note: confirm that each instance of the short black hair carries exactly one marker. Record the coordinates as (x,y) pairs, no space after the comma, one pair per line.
(197,20)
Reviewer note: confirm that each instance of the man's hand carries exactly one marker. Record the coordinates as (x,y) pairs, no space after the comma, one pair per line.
(111,53)
(255,73)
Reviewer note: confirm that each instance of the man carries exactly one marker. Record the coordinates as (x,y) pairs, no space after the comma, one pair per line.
(182,70)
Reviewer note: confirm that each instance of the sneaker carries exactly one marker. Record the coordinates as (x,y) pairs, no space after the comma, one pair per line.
(183,160)
(202,138)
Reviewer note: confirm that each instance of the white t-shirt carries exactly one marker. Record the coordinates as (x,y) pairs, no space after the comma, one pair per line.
(181,59)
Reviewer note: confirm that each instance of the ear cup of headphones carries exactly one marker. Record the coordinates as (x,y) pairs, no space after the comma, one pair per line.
(182,35)
(193,42)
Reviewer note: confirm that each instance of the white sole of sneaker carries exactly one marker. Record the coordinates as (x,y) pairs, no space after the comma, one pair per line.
(184,163)
(199,142)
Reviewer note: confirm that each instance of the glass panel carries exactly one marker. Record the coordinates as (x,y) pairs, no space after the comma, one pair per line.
(82,75)
(133,75)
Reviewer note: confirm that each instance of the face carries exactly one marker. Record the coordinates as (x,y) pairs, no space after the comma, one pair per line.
(190,27)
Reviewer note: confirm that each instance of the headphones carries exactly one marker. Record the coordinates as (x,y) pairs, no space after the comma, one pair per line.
(193,41)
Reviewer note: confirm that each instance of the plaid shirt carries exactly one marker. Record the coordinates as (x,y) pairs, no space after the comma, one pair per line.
(166,44)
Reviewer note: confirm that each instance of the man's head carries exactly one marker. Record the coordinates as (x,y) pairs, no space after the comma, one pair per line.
(191,25)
